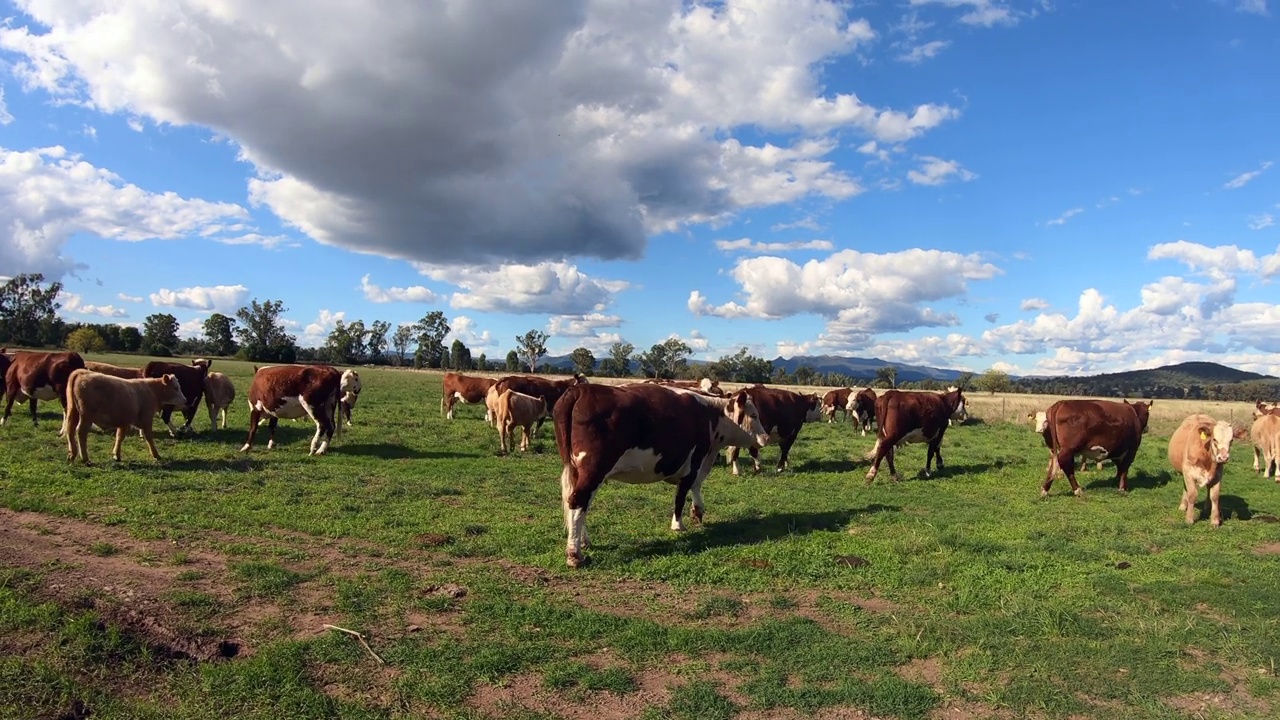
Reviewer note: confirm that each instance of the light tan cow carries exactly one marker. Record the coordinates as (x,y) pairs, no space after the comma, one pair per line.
(111,402)
(1265,435)
(1198,449)
(515,409)
(125,373)
(219,392)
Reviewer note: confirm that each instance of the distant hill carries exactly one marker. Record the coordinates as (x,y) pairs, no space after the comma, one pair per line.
(1188,373)
(864,368)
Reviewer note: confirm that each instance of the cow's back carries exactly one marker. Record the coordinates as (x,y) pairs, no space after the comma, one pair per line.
(107,400)
(1083,423)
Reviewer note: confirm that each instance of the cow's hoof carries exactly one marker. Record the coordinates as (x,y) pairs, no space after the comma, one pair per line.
(1044,494)
(696,515)
(245,448)
(1078,492)
(573,560)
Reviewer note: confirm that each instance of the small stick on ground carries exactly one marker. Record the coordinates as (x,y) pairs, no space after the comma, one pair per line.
(359,637)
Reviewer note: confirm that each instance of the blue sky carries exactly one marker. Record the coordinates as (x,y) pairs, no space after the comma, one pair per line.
(1044,187)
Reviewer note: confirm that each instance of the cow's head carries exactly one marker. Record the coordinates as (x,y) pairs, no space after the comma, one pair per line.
(1216,439)
(711,387)
(1261,409)
(813,410)
(959,409)
(578,379)
(1143,411)
(349,388)
(171,391)
(742,411)
(1039,420)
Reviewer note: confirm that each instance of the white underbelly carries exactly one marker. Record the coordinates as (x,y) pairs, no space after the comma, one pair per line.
(915,436)
(291,407)
(43,393)
(640,466)
(1095,453)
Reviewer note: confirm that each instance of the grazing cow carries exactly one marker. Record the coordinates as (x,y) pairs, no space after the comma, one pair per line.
(549,390)
(292,392)
(115,403)
(468,389)
(39,376)
(643,434)
(706,385)
(863,405)
(912,417)
(350,388)
(782,413)
(518,410)
(836,400)
(219,392)
(1096,429)
(1265,434)
(1198,449)
(124,373)
(192,378)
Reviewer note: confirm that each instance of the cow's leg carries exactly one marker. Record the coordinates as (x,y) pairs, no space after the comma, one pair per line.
(696,512)
(255,415)
(682,492)
(11,394)
(35,422)
(271,432)
(755,458)
(784,446)
(448,406)
(213,414)
(1215,490)
(1188,504)
(149,435)
(167,416)
(115,449)
(82,439)
(877,455)
(1257,457)
(524,438)
(893,470)
(1066,462)
(733,459)
(1122,471)
(576,489)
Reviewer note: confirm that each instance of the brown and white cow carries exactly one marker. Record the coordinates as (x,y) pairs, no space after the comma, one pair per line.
(124,373)
(1098,430)
(643,434)
(1198,449)
(1040,422)
(1261,409)
(863,404)
(912,417)
(350,387)
(1265,434)
(549,390)
(292,392)
(192,378)
(467,388)
(706,385)
(518,410)
(782,413)
(837,401)
(118,404)
(219,393)
(36,376)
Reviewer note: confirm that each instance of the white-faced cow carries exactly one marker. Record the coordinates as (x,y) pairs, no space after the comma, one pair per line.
(39,376)
(837,401)
(192,378)
(466,388)
(350,388)
(1265,434)
(291,392)
(1198,449)
(863,405)
(782,413)
(118,404)
(643,434)
(1096,429)
(912,417)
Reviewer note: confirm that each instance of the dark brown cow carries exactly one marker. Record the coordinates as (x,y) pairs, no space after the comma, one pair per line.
(1096,429)
(912,417)
(39,376)
(191,377)
(5,359)
(539,387)
(782,413)
(467,388)
(643,434)
(864,409)
(836,400)
(293,392)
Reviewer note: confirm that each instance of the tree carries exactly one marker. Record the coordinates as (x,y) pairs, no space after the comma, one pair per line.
(666,359)
(219,335)
(805,375)
(964,380)
(359,337)
(339,346)
(29,312)
(741,367)
(86,340)
(513,361)
(993,381)
(530,348)
(618,364)
(160,330)
(887,377)
(431,330)
(459,356)
(583,361)
(130,339)
(482,362)
(376,345)
(401,342)
(262,335)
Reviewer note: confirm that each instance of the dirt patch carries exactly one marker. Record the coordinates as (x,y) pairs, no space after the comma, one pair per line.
(1271,548)
(526,692)
(922,670)
(1227,703)
(970,710)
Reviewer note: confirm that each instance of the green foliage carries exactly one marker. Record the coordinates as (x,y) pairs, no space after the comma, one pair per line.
(262,335)
(530,348)
(667,359)
(160,332)
(459,356)
(512,361)
(86,340)
(28,311)
(992,381)
(887,377)
(618,364)
(376,343)
(219,335)
(741,367)
(401,342)
(584,361)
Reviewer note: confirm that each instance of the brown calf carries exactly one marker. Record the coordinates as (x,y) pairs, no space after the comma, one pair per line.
(864,409)
(517,410)
(192,378)
(467,388)
(912,417)
(219,393)
(1096,429)
(1198,449)
(291,392)
(836,400)
(549,390)
(39,376)
(124,373)
(782,413)
(115,403)
(1265,434)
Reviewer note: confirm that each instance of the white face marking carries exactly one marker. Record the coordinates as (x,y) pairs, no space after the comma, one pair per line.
(1042,421)
(577,458)
(1222,437)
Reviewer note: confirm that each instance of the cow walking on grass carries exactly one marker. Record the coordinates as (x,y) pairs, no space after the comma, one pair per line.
(1199,449)
(291,392)
(115,403)
(912,417)
(219,393)
(517,410)
(1265,434)
(1098,430)
(38,376)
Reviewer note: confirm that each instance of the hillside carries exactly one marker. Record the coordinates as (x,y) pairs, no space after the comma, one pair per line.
(1189,373)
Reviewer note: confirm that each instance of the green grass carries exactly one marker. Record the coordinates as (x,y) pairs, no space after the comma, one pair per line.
(1018,603)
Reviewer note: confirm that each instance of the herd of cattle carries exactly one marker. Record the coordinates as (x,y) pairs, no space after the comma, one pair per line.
(637,432)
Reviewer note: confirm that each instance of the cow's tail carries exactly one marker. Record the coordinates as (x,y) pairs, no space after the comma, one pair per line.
(337,408)
(875,449)
(562,429)
(71,418)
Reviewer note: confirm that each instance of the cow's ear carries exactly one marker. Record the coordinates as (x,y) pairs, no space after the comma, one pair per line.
(1238,433)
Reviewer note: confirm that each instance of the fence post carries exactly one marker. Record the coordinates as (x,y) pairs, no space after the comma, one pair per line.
(1004,414)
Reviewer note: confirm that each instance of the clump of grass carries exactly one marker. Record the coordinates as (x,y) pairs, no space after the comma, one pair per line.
(264,579)
(716,606)
(103,549)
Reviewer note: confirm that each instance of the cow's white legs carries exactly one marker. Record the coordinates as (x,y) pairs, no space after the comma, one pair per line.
(574,521)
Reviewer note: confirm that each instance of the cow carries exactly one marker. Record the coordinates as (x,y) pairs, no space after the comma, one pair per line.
(467,388)
(5,359)
(38,376)
(912,417)
(549,390)
(706,385)
(110,402)
(961,414)
(219,393)
(124,373)
(350,387)
(1040,421)
(292,392)
(782,413)
(643,434)
(1261,409)
(863,404)
(1096,429)
(192,378)
(1198,449)
(1265,434)
(517,410)
(836,400)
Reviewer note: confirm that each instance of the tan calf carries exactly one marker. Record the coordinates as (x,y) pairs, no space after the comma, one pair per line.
(1265,435)
(514,410)
(111,402)
(1198,449)
(219,392)
(126,373)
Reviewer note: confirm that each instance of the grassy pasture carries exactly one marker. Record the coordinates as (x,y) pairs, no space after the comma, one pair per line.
(805,594)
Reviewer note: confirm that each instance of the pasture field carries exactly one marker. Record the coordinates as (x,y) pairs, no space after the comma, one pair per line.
(200,586)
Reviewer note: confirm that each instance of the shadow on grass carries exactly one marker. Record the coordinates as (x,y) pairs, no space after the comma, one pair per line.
(1137,481)
(750,530)
(1231,507)
(391,451)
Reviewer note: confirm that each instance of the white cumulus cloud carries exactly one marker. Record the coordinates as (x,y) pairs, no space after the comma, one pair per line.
(936,171)
(73,303)
(555,288)
(222,298)
(749,245)
(414,293)
(1034,303)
